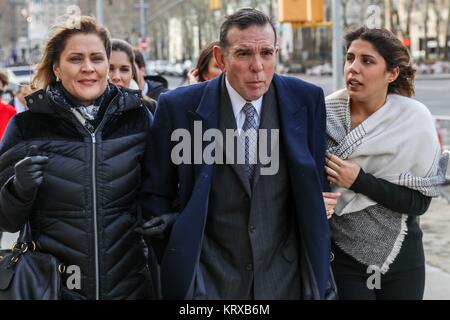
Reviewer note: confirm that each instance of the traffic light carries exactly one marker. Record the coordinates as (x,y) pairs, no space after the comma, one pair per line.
(215,4)
(301,11)
(406,42)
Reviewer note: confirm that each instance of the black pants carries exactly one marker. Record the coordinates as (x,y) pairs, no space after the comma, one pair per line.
(351,279)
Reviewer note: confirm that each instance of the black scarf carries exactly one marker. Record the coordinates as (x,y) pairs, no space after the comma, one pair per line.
(89,116)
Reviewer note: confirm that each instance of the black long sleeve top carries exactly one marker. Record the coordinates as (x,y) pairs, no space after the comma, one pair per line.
(392,196)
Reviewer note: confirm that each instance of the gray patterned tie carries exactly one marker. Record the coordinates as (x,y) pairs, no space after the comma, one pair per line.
(251,142)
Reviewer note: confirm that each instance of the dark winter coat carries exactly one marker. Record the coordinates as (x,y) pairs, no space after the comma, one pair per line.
(156,86)
(86,209)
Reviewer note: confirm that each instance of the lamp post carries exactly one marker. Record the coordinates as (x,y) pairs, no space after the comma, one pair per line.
(337,46)
(143,32)
(25,13)
(99,11)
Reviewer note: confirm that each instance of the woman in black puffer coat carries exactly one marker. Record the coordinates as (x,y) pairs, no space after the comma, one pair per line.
(71,165)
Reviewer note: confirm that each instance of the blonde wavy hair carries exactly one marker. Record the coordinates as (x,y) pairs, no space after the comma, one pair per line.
(59,35)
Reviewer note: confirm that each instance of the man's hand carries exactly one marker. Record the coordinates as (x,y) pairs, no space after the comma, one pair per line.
(330,199)
(342,173)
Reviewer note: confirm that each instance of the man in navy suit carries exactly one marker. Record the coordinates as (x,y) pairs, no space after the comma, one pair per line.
(240,232)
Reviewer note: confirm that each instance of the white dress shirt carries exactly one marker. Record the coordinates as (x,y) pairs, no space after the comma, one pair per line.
(237,102)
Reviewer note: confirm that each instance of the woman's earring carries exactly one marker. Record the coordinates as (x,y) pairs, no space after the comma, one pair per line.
(57,79)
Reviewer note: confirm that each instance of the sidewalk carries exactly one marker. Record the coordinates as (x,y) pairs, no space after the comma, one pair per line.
(435,224)
(437,284)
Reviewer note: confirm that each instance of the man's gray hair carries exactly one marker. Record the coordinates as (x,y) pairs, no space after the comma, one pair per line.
(243,19)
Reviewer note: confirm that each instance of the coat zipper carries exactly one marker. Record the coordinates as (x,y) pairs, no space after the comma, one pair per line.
(94,198)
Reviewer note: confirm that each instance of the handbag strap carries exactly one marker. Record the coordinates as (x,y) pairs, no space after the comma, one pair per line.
(25,234)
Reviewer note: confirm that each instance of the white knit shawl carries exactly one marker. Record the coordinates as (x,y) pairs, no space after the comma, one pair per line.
(397,143)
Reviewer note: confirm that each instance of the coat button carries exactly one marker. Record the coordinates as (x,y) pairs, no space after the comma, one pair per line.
(249,267)
(40,96)
(30,101)
(252,228)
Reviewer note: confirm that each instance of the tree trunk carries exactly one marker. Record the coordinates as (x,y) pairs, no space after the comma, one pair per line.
(425,25)
(391,17)
(296,46)
(437,11)
(344,4)
(409,9)
(447,33)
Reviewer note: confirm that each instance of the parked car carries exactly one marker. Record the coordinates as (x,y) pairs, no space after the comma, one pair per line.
(320,70)
(161,66)
(422,68)
(293,68)
(439,67)
(18,75)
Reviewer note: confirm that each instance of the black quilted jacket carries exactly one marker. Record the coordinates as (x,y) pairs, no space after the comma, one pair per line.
(85,211)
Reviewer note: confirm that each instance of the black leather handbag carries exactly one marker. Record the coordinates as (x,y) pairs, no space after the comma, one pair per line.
(28,274)
(331,291)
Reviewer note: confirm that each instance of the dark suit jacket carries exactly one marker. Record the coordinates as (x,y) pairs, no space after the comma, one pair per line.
(303,124)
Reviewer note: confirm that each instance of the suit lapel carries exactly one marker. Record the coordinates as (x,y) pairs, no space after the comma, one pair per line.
(268,121)
(293,118)
(207,113)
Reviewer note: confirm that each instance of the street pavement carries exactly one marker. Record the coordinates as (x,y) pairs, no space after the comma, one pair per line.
(435,224)
(437,284)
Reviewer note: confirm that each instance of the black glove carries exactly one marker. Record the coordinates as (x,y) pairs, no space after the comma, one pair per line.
(158,227)
(29,172)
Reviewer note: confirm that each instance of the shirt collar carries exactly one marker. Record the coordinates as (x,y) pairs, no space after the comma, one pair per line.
(237,102)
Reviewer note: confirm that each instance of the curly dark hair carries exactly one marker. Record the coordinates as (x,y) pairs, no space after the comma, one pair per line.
(394,53)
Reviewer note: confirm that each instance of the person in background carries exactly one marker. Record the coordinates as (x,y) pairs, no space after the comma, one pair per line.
(71,167)
(152,85)
(123,71)
(6,111)
(207,67)
(19,103)
(385,160)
